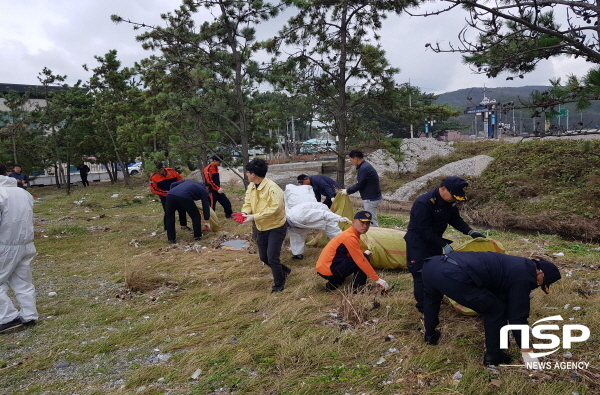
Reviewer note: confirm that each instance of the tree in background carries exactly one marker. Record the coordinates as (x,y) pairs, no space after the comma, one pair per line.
(62,125)
(117,104)
(514,36)
(14,128)
(223,51)
(336,62)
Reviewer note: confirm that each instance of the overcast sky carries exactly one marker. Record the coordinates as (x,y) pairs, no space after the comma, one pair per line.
(65,34)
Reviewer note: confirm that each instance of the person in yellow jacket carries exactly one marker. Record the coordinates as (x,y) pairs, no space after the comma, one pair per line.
(264,205)
(343,257)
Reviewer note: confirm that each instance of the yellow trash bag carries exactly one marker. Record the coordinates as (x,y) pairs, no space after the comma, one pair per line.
(388,248)
(479,244)
(342,207)
(215,224)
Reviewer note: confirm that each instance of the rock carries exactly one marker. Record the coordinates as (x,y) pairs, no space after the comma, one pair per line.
(52,294)
(63,365)
(196,374)
(457,376)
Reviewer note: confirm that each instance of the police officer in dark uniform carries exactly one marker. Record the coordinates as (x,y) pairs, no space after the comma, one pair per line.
(430,215)
(321,185)
(495,285)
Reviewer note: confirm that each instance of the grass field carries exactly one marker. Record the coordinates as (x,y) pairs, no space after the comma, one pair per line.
(135,315)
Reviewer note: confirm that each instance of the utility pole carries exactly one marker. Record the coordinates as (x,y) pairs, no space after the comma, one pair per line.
(410,106)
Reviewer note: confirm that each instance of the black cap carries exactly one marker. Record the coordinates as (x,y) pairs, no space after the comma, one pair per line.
(301,178)
(551,273)
(364,216)
(456,186)
(158,165)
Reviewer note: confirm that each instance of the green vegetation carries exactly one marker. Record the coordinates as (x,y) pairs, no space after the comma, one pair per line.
(203,307)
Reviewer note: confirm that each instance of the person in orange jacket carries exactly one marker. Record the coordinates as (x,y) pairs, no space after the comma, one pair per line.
(212,182)
(160,184)
(342,257)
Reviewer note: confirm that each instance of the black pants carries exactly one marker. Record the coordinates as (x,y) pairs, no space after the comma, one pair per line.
(181,212)
(175,203)
(84,180)
(223,201)
(343,269)
(444,278)
(270,243)
(415,258)
(327,201)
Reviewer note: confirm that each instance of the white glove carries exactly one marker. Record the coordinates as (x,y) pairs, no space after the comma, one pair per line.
(383,284)
(206,227)
(367,252)
(221,190)
(248,218)
(529,359)
(345,220)
(447,249)
(344,191)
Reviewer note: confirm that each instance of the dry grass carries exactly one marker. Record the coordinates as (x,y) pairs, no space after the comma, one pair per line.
(203,307)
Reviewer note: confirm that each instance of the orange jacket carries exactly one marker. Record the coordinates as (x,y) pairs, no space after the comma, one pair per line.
(161,185)
(344,245)
(211,177)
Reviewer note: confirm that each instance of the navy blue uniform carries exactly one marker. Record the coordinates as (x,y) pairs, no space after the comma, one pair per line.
(368,182)
(181,197)
(430,216)
(369,189)
(324,186)
(495,285)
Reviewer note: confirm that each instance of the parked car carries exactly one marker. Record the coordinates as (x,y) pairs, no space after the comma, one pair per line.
(314,146)
(135,168)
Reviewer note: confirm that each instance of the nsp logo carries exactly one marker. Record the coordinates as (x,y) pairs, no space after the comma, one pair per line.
(570,334)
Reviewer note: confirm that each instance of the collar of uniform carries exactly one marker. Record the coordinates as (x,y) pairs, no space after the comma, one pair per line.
(359,165)
(262,184)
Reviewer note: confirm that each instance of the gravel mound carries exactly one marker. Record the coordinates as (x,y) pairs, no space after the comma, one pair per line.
(467,167)
(415,150)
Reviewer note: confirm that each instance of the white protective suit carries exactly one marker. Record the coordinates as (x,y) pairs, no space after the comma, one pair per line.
(16,251)
(304,213)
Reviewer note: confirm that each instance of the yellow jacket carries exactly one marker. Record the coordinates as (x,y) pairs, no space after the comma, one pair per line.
(266,204)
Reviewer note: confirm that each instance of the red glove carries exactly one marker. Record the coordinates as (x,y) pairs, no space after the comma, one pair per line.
(238,217)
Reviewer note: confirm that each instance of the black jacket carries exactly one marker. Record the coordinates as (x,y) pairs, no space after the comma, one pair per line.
(368,182)
(323,185)
(510,278)
(190,189)
(430,216)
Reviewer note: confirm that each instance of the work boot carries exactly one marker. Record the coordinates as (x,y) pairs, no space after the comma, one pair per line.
(298,257)
(495,360)
(286,271)
(29,323)
(11,324)
(433,339)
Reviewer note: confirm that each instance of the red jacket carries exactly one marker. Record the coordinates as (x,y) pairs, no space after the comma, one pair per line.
(211,177)
(161,185)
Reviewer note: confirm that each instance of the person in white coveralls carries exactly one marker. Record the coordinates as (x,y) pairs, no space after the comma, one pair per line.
(304,213)
(16,253)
